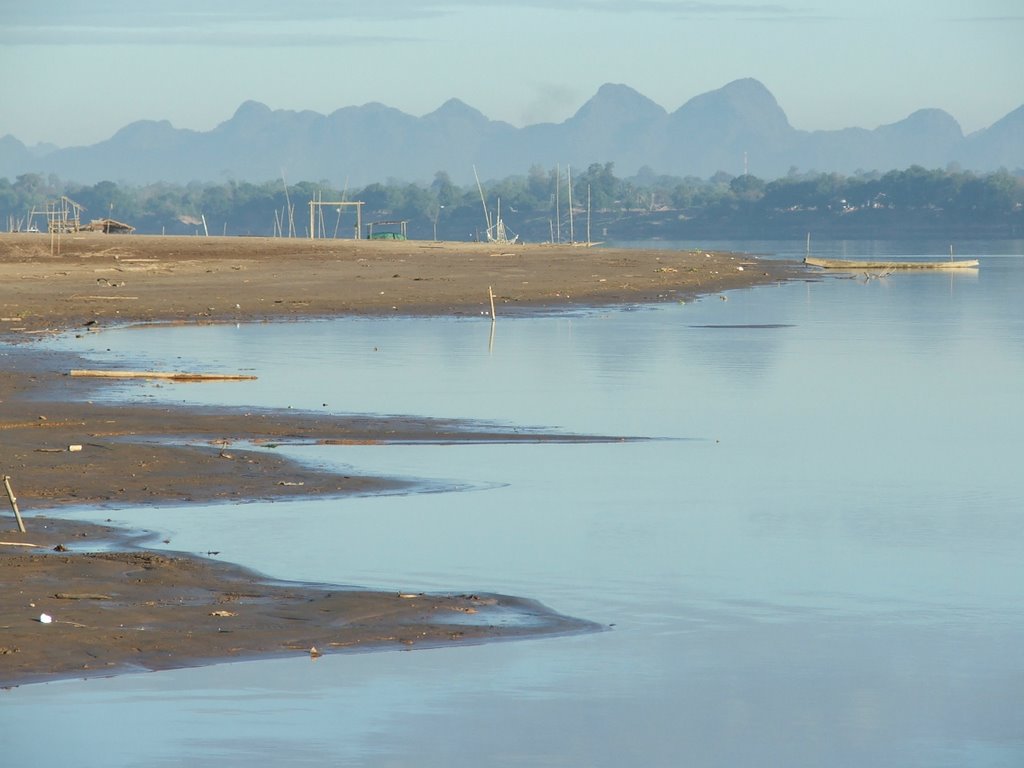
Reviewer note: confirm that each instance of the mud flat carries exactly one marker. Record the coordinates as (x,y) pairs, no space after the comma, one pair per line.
(114,605)
(77,612)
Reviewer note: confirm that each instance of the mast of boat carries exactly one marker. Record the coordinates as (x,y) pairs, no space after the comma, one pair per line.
(483,202)
(807,252)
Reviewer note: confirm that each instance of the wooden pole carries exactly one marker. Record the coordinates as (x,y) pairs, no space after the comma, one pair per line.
(588,214)
(558,210)
(14,503)
(572,233)
(491,294)
(289,206)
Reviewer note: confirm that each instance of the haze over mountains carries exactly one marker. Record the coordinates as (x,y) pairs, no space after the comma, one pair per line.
(716,131)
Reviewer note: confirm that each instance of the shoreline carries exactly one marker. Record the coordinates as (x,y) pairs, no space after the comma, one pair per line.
(88,280)
(97,281)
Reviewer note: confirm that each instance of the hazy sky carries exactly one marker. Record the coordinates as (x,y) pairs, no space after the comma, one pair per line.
(74,72)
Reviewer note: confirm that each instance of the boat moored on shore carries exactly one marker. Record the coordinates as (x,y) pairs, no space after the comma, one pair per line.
(858,264)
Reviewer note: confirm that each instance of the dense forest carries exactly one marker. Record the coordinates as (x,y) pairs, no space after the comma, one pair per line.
(559,205)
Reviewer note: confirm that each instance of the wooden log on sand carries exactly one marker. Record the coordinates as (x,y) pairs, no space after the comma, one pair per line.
(166,375)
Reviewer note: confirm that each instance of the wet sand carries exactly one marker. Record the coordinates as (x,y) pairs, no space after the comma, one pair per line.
(71,611)
(134,609)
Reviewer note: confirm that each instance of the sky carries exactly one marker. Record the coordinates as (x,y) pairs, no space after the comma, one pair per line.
(75,72)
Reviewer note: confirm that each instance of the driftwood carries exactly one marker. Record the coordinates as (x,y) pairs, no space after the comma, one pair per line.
(106,298)
(168,375)
(81,596)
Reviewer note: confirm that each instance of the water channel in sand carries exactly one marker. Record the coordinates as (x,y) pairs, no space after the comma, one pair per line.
(817,562)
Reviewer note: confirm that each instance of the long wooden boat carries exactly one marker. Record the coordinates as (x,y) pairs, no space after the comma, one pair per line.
(857,264)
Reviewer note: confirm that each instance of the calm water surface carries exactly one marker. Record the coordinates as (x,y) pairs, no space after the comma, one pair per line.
(819,564)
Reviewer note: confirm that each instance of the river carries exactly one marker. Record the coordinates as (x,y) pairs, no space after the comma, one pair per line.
(817,560)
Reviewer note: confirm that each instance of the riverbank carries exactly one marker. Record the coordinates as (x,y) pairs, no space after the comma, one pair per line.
(59,448)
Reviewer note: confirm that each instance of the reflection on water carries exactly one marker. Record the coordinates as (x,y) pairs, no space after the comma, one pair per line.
(819,565)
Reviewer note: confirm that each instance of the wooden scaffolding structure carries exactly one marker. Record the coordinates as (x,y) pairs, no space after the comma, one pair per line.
(316,222)
(63,216)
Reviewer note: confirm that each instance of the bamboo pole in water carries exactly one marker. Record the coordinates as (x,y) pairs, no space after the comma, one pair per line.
(14,503)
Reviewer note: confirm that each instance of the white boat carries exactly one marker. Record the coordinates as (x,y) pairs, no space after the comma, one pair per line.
(496,230)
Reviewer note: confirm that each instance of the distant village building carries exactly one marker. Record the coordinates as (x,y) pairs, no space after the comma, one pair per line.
(64,216)
(109,227)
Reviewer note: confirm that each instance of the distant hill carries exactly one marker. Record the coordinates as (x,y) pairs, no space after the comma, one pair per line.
(715,131)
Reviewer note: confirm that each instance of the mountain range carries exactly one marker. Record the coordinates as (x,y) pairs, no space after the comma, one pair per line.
(738,126)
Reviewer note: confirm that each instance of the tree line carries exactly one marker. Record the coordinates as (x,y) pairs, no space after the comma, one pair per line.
(557,204)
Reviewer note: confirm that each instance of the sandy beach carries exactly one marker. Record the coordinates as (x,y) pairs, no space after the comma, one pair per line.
(185,610)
